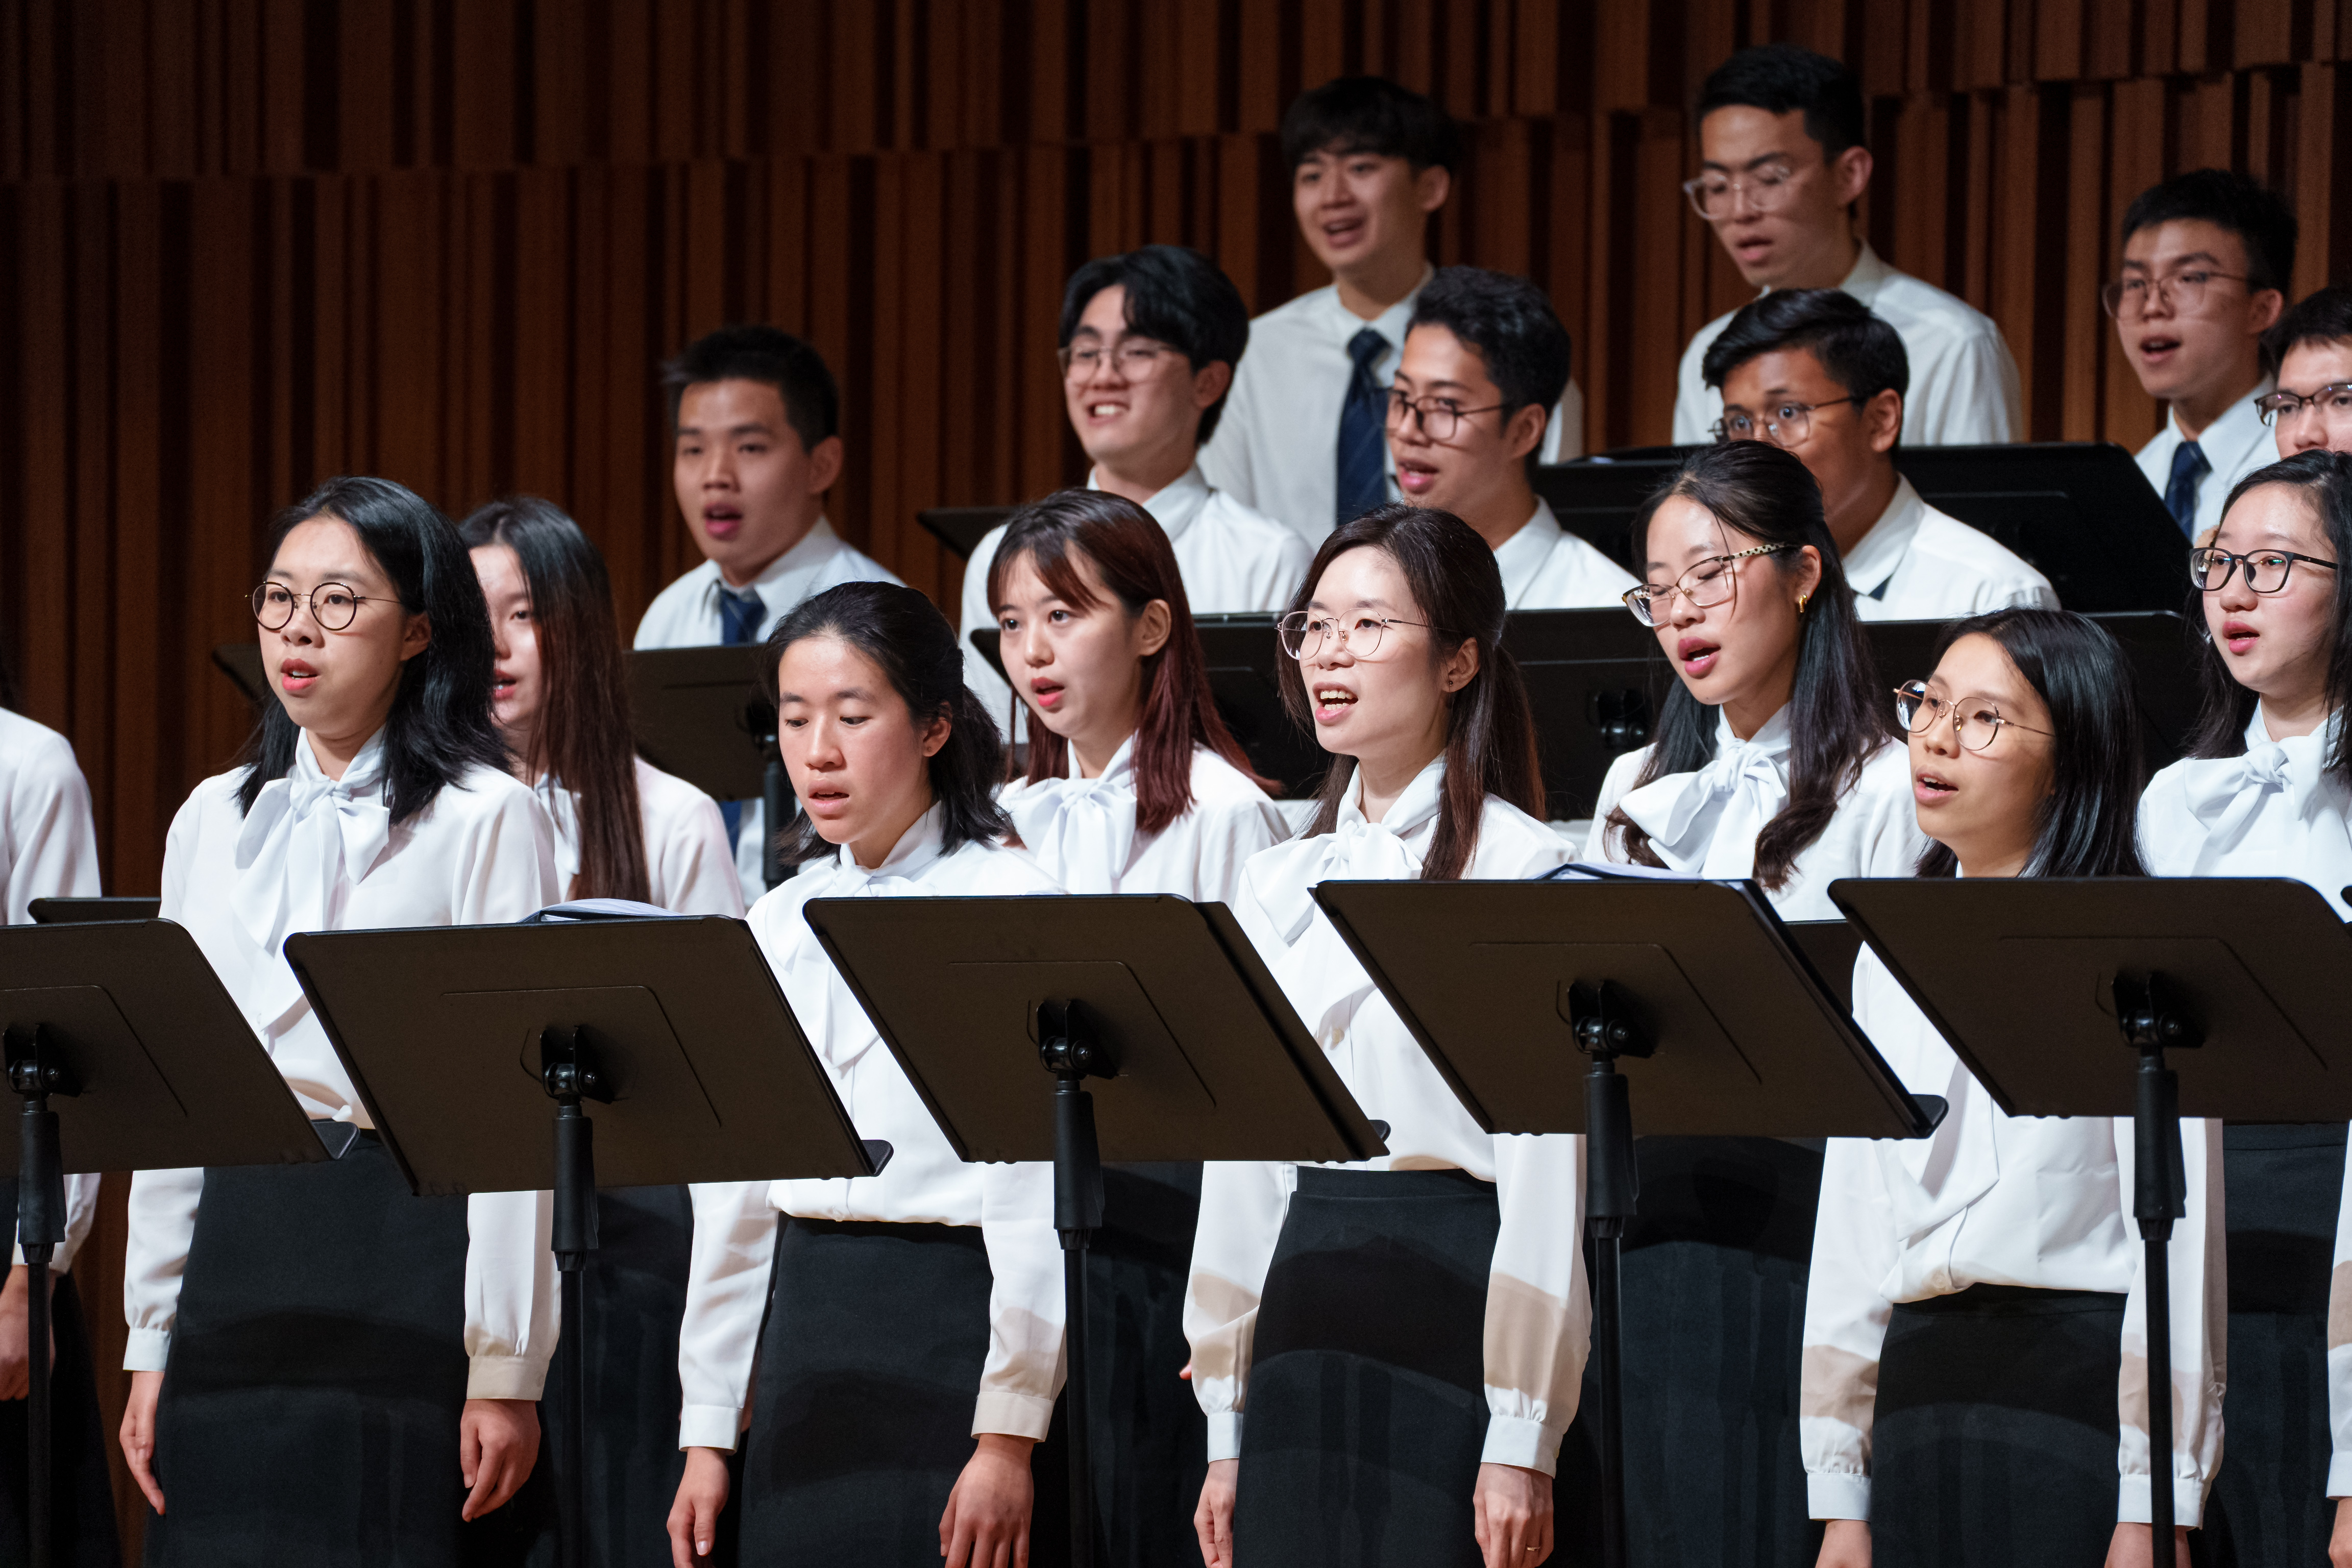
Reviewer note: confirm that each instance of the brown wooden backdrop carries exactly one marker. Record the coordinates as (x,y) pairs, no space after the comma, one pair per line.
(246,243)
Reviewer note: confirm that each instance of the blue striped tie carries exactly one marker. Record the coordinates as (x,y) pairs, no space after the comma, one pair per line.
(740,611)
(1364,470)
(2180,495)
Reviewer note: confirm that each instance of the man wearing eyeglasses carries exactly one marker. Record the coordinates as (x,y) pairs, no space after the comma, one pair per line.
(1782,162)
(2205,256)
(1485,358)
(1814,371)
(1150,342)
(2311,408)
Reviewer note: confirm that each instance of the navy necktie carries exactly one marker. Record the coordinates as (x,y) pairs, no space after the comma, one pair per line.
(2180,495)
(740,611)
(1364,470)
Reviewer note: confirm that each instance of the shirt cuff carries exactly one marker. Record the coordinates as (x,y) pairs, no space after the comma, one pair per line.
(1515,1440)
(2132,1505)
(1224,1434)
(146,1350)
(2339,1475)
(1011,1416)
(1837,1494)
(709,1427)
(505,1377)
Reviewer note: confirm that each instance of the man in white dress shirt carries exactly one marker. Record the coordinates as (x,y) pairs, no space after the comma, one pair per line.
(1150,342)
(1484,358)
(2311,408)
(757,420)
(2206,257)
(1782,162)
(1813,371)
(1370,162)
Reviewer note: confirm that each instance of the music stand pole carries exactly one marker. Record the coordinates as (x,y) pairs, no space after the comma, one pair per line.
(36,1074)
(2151,1021)
(1070,1051)
(570,1076)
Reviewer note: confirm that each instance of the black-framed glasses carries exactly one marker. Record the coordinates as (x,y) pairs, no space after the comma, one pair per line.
(334,605)
(1782,425)
(2334,401)
(1131,357)
(1974,725)
(2266,570)
(1440,418)
(1709,582)
(1305,633)
(2184,291)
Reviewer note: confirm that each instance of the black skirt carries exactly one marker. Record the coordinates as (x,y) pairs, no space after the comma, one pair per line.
(1996,1430)
(869,1363)
(2270,1502)
(317,1376)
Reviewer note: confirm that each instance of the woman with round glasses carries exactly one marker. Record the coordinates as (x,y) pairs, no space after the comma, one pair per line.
(1974,1292)
(325,1366)
(2267,791)
(1776,758)
(1407,1334)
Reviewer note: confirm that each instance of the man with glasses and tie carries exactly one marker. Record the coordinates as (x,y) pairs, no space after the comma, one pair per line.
(1781,161)
(756,420)
(2311,408)
(2206,256)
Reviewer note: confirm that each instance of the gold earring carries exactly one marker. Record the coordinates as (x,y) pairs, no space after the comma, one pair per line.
(1803,600)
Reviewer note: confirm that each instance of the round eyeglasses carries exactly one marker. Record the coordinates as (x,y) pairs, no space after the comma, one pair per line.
(2265,570)
(1974,725)
(334,605)
(2183,293)
(1305,633)
(1716,195)
(1708,583)
(1781,424)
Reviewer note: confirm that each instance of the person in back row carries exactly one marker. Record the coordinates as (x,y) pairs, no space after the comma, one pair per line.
(1150,343)
(757,421)
(1369,163)
(1782,162)
(2311,406)
(1815,372)
(1484,358)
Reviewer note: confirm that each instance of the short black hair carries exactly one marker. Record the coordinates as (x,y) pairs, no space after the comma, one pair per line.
(2258,215)
(2324,317)
(770,354)
(1511,324)
(1856,347)
(1779,78)
(1369,114)
(1175,294)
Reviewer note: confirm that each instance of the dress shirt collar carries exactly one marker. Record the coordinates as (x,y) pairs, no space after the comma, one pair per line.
(1522,555)
(918,850)
(784,584)
(1174,505)
(1342,324)
(1868,276)
(1120,771)
(2228,440)
(1416,805)
(1876,554)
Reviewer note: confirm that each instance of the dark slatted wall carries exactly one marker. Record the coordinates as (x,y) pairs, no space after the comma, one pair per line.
(246,243)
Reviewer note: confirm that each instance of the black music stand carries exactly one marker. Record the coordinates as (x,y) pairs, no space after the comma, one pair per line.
(1596,681)
(701,713)
(2245,974)
(157,1070)
(961,527)
(1544,1003)
(457,1038)
(86,912)
(1162,1002)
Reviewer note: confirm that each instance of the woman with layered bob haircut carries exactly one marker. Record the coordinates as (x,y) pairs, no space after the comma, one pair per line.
(1774,758)
(1975,1330)
(326,1368)
(1407,1334)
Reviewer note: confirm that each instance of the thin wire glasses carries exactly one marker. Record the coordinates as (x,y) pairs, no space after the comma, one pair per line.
(1305,633)
(1133,358)
(2185,292)
(334,605)
(1974,725)
(1440,418)
(2265,570)
(1782,425)
(1716,194)
(1706,584)
(2333,401)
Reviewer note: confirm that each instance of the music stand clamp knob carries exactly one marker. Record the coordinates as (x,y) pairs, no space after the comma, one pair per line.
(1603,1017)
(2154,1015)
(37,1063)
(1068,1044)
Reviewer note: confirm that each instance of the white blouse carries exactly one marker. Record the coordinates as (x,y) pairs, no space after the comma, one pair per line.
(688,866)
(1083,830)
(1706,821)
(48,849)
(1993,1199)
(1538,1303)
(924,1183)
(317,854)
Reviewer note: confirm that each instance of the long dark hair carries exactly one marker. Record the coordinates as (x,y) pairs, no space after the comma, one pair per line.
(583,734)
(1837,720)
(2324,478)
(440,723)
(915,648)
(1490,736)
(1131,555)
(2086,826)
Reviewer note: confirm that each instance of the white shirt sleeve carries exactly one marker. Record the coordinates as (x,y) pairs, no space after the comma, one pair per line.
(1970,394)
(1538,1303)
(513,1308)
(1846,1314)
(728,1274)
(50,844)
(1026,1301)
(2196,1264)
(162,1219)
(1242,1209)
(1224,458)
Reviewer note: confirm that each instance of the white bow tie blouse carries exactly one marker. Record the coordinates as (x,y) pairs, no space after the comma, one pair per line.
(1082,831)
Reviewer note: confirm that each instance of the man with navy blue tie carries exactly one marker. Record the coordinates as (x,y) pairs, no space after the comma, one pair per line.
(2205,257)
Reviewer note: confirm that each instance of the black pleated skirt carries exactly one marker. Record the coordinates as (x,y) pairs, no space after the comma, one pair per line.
(2269,1502)
(861,1422)
(1713,1281)
(1996,1430)
(317,1376)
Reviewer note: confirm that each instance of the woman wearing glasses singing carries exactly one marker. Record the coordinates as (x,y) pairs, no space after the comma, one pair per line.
(2267,791)
(1972,1390)
(1773,759)
(325,1367)
(1407,1335)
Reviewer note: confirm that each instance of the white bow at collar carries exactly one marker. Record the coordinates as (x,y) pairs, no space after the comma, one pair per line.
(306,839)
(1705,822)
(1282,879)
(2227,794)
(1082,829)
